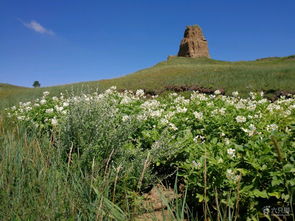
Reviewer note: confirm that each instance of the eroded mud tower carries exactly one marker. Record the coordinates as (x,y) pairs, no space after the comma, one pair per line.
(193,44)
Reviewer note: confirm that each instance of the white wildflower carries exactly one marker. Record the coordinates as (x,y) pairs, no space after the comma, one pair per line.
(241,119)
(202,97)
(164,121)
(251,107)
(45,93)
(169,114)
(59,109)
(65,104)
(139,93)
(235,93)
(156,113)
(250,131)
(253,95)
(49,111)
(222,111)
(231,152)
(271,107)
(214,112)
(28,108)
(141,117)
(125,118)
(287,113)
(54,121)
(173,127)
(272,127)
(240,105)
(126,100)
(257,116)
(262,101)
(210,104)
(181,100)
(110,90)
(181,110)
(288,130)
(20,117)
(43,101)
(26,104)
(198,115)
(150,104)
(217,92)
(199,138)
(230,174)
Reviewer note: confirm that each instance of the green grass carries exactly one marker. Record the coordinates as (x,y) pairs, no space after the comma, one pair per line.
(272,73)
(7,90)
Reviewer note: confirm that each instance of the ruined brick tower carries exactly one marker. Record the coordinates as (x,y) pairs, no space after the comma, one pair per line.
(193,44)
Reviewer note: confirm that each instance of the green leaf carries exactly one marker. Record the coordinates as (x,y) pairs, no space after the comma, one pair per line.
(291,182)
(285,197)
(259,193)
(200,197)
(289,168)
(275,194)
(246,189)
(275,181)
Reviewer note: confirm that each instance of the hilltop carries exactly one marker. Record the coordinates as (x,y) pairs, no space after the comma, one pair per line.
(268,74)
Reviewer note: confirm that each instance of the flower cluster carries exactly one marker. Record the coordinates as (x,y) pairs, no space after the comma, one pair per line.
(173,112)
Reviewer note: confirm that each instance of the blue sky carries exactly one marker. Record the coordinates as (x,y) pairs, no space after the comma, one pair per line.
(63,41)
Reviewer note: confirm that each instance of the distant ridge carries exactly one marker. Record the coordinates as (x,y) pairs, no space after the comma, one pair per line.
(5,86)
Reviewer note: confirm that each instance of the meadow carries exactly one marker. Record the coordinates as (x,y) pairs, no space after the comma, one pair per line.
(93,155)
(270,75)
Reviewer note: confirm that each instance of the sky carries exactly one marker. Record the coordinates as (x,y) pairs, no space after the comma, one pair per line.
(64,41)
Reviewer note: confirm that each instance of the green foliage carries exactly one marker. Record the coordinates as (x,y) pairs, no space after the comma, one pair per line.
(232,154)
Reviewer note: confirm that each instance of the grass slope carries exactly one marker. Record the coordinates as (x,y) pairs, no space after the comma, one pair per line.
(273,73)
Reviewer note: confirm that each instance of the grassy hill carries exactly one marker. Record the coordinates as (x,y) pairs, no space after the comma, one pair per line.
(7,89)
(273,74)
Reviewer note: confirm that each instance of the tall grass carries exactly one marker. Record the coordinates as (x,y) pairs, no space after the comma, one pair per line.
(36,182)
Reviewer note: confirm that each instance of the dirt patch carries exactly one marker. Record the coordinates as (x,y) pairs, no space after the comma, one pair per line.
(155,203)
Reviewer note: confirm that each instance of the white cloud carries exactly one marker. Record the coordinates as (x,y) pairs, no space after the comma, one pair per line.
(38,27)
